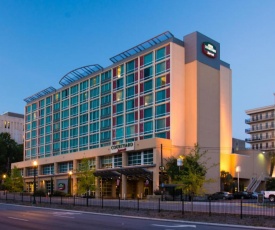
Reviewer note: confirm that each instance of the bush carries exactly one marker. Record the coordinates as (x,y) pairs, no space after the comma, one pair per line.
(58,193)
(40,192)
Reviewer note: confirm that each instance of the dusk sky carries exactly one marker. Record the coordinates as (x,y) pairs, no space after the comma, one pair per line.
(41,41)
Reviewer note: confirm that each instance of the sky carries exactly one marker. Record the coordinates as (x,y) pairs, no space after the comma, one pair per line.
(41,41)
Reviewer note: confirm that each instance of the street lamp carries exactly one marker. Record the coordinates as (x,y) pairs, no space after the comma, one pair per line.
(34,182)
(3,182)
(238,170)
(69,182)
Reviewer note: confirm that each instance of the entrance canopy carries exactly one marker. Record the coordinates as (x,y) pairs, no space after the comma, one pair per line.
(132,172)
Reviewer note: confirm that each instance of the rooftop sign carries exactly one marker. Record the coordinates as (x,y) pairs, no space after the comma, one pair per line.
(122,147)
(209,49)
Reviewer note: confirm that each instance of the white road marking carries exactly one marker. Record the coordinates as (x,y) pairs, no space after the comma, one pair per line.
(17,218)
(66,214)
(175,226)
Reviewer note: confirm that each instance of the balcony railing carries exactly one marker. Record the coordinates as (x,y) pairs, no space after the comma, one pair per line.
(263,118)
(259,129)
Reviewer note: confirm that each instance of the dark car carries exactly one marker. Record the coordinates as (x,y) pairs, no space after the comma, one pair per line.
(242,195)
(221,196)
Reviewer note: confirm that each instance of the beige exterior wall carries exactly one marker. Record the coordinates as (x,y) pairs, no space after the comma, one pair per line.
(177,119)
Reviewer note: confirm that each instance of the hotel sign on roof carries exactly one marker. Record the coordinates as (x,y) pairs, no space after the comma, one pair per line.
(209,49)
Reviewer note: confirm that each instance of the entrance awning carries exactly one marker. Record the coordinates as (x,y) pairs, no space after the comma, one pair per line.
(132,172)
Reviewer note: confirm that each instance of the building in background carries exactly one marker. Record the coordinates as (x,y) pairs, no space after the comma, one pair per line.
(156,100)
(13,123)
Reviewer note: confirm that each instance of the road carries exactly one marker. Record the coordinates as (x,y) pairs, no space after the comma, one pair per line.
(15,217)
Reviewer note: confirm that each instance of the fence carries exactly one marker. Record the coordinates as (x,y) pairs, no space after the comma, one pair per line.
(236,207)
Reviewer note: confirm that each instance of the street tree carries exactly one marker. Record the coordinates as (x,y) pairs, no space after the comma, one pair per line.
(14,182)
(10,152)
(85,177)
(192,175)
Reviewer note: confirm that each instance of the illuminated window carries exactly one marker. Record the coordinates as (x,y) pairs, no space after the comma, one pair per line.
(120,71)
(56,97)
(160,82)
(148,99)
(119,95)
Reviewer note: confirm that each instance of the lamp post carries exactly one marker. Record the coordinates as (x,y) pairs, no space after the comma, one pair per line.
(3,182)
(69,182)
(238,170)
(34,182)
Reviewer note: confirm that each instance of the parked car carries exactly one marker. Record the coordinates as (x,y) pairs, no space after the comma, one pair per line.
(254,195)
(221,196)
(244,195)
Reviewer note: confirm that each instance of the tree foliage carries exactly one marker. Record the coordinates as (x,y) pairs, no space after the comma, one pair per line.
(227,182)
(270,184)
(14,183)
(10,152)
(192,175)
(85,177)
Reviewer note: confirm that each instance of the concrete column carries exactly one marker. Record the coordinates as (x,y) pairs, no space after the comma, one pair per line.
(74,180)
(97,179)
(123,177)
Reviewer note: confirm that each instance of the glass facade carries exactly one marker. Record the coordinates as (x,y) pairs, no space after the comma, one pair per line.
(129,102)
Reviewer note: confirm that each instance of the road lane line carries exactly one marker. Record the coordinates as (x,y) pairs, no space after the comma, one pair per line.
(175,226)
(14,218)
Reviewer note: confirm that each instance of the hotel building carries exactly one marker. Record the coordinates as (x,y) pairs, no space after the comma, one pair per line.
(155,101)
(13,123)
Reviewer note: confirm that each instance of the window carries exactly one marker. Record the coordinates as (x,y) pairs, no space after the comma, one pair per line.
(148,59)
(130,105)
(106,99)
(119,108)
(83,141)
(148,86)
(160,54)
(148,113)
(74,89)
(106,112)
(119,95)
(130,79)
(83,118)
(65,104)
(64,124)
(65,114)
(160,68)
(48,110)
(105,136)
(134,159)
(119,133)
(94,92)
(118,160)
(119,83)
(34,107)
(106,88)
(83,108)
(64,134)
(83,85)
(130,92)
(65,93)
(65,167)
(106,76)
(130,131)
(64,145)
(94,81)
(160,110)
(106,162)
(83,97)
(94,127)
(160,124)
(161,96)
(148,157)
(148,72)
(41,104)
(42,113)
(148,127)
(119,120)
(74,121)
(130,66)
(148,99)
(73,132)
(48,100)
(48,119)
(94,139)
(56,106)
(74,111)
(48,129)
(160,82)
(130,118)
(105,124)
(94,115)
(94,104)
(120,71)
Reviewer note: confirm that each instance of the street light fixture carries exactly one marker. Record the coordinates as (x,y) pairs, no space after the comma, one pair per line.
(34,182)
(69,182)
(3,182)
(238,170)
